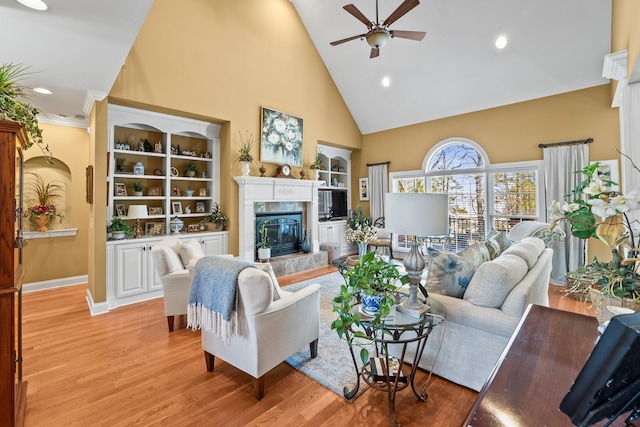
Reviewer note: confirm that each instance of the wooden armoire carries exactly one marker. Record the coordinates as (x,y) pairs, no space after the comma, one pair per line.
(13,390)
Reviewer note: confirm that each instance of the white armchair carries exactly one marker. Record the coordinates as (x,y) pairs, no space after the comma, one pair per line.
(272,325)
(174,261)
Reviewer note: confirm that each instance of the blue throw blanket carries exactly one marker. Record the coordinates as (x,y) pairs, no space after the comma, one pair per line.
(212,301)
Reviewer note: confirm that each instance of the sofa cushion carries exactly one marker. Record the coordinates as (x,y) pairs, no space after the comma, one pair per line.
(529,249)
(493,280)
(450,273)
(190,251)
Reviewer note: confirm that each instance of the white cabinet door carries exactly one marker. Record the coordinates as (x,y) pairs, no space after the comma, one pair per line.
(154,283)
(131,269)
(323,233)
(215,245)
(345,246)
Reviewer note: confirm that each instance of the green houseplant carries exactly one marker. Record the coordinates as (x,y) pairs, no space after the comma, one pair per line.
(118,228)
(599,212)
(244,152)
(216,220)
(359,230)
(137,188)
(264,247)
(15,108)
(190,169)
(370,276)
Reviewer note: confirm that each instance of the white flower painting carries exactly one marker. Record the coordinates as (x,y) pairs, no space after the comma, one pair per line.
(281,140)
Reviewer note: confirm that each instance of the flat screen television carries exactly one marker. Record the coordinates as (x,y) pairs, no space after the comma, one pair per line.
(608,385)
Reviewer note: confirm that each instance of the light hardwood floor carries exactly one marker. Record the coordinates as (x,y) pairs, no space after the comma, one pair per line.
(124,368)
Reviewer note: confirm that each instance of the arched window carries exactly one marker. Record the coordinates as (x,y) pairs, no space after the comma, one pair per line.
(481,195)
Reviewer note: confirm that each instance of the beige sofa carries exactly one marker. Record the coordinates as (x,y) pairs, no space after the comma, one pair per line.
(478,326)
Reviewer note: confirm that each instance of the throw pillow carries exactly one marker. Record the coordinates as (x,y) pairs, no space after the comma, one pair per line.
(189,251)
(493,280)
(493,248)
(450,273)
(500,237)
(166,260)
(267,268)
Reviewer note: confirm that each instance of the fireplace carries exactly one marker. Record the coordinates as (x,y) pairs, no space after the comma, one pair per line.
(284,231)
(254,191)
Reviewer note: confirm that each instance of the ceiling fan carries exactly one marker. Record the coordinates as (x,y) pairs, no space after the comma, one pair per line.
(379,33)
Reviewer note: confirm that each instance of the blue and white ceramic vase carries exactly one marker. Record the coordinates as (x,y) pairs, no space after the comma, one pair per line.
(305,245)
(371,303)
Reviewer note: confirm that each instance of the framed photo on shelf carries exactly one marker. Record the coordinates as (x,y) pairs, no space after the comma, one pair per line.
(364,189)
(158,228)
(175,190)
(149,227)
(155,211)
(154,191)
(120,189)
(281,139)
(200,207)
(202,192)
(176,208)
(120,211)
(192,228)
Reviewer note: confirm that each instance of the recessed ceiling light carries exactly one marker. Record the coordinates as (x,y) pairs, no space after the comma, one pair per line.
(42,90)
(34,4)
(386,82)
(501,42)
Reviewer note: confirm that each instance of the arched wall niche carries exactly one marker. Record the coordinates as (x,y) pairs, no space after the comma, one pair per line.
(58,173)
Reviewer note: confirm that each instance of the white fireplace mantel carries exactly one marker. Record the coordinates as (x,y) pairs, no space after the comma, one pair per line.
(254,189)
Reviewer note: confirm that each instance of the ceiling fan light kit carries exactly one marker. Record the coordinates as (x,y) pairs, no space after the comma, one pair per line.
(378,34)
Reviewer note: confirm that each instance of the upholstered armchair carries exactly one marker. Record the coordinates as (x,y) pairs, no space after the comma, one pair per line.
(174,261)
(272,324)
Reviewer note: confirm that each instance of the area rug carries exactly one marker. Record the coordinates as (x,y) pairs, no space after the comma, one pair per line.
(333,367)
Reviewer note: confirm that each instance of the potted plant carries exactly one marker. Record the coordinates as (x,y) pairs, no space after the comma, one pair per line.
(137,188)
(264,247)
(119,229)
(316,166)
(216,220)
(373,281)
(603,215)
(120,164)
(42,200)
(190,169)
(244,152)
(360,231)
(15,108)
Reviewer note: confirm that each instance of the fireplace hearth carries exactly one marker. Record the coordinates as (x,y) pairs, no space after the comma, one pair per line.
(284,231)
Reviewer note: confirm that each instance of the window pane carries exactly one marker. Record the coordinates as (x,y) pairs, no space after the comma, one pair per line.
(514,198)
(456,156)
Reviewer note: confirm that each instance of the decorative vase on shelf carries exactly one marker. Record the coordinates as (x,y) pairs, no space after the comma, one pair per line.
(175,225)
(305,245)
(138,169)
(189,192)
(43,223)
(244,168)
(362,248)
(315,173)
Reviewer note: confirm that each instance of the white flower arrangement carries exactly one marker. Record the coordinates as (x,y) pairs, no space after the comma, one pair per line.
(361,233)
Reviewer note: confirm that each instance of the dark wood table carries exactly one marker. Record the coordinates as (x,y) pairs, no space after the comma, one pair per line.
(536,370)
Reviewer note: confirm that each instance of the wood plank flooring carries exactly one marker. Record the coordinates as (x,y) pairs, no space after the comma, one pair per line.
(125,369)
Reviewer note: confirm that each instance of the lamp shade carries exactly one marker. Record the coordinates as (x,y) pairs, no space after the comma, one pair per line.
(418,214)
(137,211)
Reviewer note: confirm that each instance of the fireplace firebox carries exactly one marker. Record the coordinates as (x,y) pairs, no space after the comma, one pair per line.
(284,231)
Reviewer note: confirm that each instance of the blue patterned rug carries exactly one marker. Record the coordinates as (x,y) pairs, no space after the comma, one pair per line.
(333,368)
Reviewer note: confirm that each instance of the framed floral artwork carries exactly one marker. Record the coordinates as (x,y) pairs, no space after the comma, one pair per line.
(281,138)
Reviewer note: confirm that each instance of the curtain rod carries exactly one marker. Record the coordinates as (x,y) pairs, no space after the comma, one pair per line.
(556,144)
(377,164)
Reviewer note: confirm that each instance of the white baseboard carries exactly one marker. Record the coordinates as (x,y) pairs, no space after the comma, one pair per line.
(96,309)
(55,283)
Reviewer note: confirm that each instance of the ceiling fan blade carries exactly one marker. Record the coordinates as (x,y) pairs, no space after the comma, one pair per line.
(375,52)
(405,7)
(348,39)
(359,15)
(411,35)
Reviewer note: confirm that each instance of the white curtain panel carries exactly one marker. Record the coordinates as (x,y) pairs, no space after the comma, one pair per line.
(378,187)
(560,163)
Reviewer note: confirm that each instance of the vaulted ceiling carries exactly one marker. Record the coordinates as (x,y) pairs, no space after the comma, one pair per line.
(79,46)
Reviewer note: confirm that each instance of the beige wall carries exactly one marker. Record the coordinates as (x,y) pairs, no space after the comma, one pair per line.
(222,60)
(625,31)
(508,134)
(55,258)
